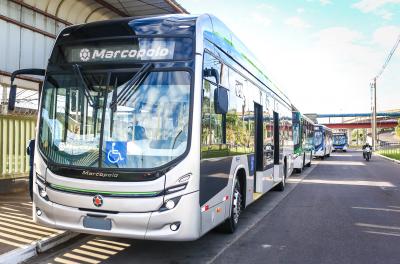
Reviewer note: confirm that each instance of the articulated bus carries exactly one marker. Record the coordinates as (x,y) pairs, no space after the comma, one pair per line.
(322,141)
(157,128)
(303,138)
(340,141)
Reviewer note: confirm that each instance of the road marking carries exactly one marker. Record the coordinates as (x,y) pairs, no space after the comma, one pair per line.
(264,213)
(88,253)
(88,260)
(341,163)
(340,182)
(20,233)
(65,261)
(17,238)
(9,209)
(25,229)
(378,226)
(12,243)
(105,245)
(383,233)
(377,209)
(114,242)
(30,225)
(101,250)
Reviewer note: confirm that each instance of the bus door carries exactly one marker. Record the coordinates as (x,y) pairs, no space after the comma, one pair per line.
(277,148)
(259,146)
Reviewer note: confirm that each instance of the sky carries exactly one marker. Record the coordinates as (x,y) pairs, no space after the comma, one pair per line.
(322,53)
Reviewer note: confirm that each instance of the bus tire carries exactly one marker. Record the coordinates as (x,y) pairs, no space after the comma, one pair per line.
(230,224)
(309,164)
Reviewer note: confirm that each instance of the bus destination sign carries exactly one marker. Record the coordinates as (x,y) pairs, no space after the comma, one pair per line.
(146,50)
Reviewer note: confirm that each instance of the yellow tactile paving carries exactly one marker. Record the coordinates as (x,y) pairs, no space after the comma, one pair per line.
(43,233)
(28,225)
(93,251)
(105,245)
(91,254)
(17,229)
(101,250)
(20,233)
(65,261)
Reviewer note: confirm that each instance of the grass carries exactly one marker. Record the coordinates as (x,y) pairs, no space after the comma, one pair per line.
(391,153)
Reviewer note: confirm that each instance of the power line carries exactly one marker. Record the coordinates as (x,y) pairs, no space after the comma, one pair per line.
(389,57)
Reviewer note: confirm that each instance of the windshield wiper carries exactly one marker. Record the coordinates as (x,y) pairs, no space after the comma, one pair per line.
(126,92)
(85,89)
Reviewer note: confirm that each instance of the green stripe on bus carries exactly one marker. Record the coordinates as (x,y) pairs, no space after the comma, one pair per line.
(65,188)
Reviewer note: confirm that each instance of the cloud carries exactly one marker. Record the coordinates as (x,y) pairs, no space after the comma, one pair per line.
(338,35)
(261,19)
(367,6)
(297,22)
(300,10)
(325,2)
(386,36)
(266,7)
(385,14)
(322,2)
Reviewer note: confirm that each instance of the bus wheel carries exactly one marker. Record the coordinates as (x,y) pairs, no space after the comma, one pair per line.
(230,224)
(309,164)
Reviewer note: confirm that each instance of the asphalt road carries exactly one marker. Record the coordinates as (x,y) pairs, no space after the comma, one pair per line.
(343,210)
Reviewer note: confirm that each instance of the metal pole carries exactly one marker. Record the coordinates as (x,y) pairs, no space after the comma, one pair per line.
(373,119)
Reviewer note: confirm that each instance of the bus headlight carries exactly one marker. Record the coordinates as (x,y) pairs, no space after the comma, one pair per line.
(170,204)
(176,188)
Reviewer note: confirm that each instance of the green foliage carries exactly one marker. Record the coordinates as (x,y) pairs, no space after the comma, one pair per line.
(398,129)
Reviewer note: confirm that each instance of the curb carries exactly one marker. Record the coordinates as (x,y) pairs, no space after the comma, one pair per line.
(390,159)
(21,254)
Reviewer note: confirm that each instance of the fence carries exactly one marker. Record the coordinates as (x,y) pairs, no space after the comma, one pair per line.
(391,150)
(15,132)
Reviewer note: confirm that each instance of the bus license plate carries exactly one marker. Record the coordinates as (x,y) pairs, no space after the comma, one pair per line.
(97,223)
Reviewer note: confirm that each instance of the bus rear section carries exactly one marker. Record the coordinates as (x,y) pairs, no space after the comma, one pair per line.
(340,141)
(303,138)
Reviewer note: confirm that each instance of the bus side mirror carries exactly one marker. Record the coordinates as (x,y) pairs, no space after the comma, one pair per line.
(12,97)
(221,100)
(13,88)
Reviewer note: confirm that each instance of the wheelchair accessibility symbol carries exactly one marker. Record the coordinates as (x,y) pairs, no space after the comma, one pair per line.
(116,152)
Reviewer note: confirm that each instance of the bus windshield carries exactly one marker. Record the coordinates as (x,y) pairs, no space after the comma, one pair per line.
(317,138)
(339,139)
(147,129)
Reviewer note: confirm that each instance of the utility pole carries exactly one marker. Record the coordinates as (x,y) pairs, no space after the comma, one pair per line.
(373,116)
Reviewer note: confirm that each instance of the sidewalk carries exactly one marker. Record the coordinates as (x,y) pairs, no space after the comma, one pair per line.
(20,237)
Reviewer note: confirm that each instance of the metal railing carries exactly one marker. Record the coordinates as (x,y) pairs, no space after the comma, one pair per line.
(15,132)
(390,149)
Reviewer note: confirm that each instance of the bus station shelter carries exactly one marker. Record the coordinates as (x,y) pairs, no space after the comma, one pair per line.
(28,29)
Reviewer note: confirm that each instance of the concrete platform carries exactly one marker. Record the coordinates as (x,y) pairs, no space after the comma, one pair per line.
(20,237)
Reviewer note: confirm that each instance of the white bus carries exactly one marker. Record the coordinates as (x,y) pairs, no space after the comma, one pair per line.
(157,128)
(322,141)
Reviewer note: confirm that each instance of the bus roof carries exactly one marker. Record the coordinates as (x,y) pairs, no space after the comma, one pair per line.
(176,24)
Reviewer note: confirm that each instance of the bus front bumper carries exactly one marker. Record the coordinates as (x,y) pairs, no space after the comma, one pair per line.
(319,153)
(339,147)
(149,225)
